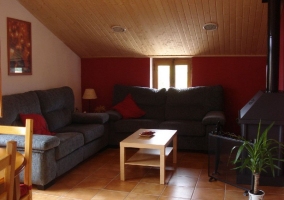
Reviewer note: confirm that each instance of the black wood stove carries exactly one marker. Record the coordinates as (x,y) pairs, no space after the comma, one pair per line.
(267,106)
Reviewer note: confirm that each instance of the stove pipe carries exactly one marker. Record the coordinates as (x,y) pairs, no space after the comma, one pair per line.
(272,71)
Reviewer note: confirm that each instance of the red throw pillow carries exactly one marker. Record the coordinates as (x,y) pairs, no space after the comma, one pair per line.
(24,189)
(128,108)
(39,123)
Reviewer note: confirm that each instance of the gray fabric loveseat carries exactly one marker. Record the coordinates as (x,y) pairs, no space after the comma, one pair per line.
(194,112)
(74,136)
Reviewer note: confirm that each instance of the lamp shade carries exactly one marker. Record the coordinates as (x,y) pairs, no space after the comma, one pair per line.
(89,94)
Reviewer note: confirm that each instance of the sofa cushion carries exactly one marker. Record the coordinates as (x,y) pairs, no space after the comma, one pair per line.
(89,118)
(132,125)
(57,106)
(58,118)
(14,104)
(193,103)
(185,127)
(128,108)
(69,142)
(90,132)
(39,123)
(150,100)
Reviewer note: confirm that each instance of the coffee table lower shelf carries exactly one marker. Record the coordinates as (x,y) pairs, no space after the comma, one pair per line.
(147,157)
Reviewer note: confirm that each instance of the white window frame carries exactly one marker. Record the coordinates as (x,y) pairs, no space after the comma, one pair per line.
(171,62)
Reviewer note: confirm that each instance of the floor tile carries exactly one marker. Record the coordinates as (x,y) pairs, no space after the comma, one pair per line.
(94,183)
(112,164)
(183,171)
(172,198)
(153,176)
(110,195)
(204,174)
(87,167)
(208,194)
(134,173)
(121,185)
(273,197)
(231,187)
(272,190)
(40,196)
(178,191)
(81,193)
(193,165)
(149,188)
(205,183)
(56,189)
(136,196)
(183,181)
(235,195)
(71,180)
(106,173)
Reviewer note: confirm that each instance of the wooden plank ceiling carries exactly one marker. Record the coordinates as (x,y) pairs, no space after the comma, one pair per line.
(155,27)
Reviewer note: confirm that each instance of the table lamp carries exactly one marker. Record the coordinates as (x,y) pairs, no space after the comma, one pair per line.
(89,94)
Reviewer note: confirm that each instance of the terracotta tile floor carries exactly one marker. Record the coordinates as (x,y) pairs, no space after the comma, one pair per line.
(98,179)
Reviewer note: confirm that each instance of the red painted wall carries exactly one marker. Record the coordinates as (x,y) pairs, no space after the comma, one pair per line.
(103,73)
(241,78)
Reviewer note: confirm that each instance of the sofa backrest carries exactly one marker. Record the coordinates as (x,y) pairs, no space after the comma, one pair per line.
(152,101)
(57,106)
(193,103)
(15,104)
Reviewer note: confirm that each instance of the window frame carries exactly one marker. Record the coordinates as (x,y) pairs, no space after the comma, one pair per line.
(172,62)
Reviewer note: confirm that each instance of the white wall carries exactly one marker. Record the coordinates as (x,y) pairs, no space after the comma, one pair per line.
(53,63)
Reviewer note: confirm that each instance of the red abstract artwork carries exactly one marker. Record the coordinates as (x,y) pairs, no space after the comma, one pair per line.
(19,47)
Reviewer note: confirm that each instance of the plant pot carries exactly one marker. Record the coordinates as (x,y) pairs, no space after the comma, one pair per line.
(258,196)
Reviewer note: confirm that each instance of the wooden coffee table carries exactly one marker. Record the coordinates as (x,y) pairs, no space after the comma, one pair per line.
(152,150)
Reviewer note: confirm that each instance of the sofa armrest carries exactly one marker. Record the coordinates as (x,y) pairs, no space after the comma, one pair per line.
(213,117)
(114,115)
(40,142)
(89,118)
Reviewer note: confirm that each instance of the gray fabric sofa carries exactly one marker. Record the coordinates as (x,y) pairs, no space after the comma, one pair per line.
(77,135)
(194,112)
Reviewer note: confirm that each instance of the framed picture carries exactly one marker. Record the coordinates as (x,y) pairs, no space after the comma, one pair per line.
(19,45)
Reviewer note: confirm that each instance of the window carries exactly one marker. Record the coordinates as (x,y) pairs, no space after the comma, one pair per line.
(171,73)
(163,76)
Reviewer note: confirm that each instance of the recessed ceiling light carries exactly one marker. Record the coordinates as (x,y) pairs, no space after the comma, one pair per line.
(118,29)
(210,26)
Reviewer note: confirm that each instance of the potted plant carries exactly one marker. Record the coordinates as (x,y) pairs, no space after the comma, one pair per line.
(259,157)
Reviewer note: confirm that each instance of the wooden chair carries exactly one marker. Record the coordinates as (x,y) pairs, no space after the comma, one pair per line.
(7,168)
(26,131)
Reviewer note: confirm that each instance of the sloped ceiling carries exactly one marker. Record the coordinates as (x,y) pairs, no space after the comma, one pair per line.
(155,28)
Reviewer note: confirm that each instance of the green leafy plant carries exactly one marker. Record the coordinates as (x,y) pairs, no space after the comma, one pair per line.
(260,155)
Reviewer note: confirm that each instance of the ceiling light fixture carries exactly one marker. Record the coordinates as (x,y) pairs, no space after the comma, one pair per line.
(118,29)
(210,26)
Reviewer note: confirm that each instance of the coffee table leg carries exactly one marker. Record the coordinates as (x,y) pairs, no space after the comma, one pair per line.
(122,163)
(175,149)
(162,166)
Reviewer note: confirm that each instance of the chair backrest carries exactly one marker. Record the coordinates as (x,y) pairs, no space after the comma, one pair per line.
(7,168)
(26,131)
